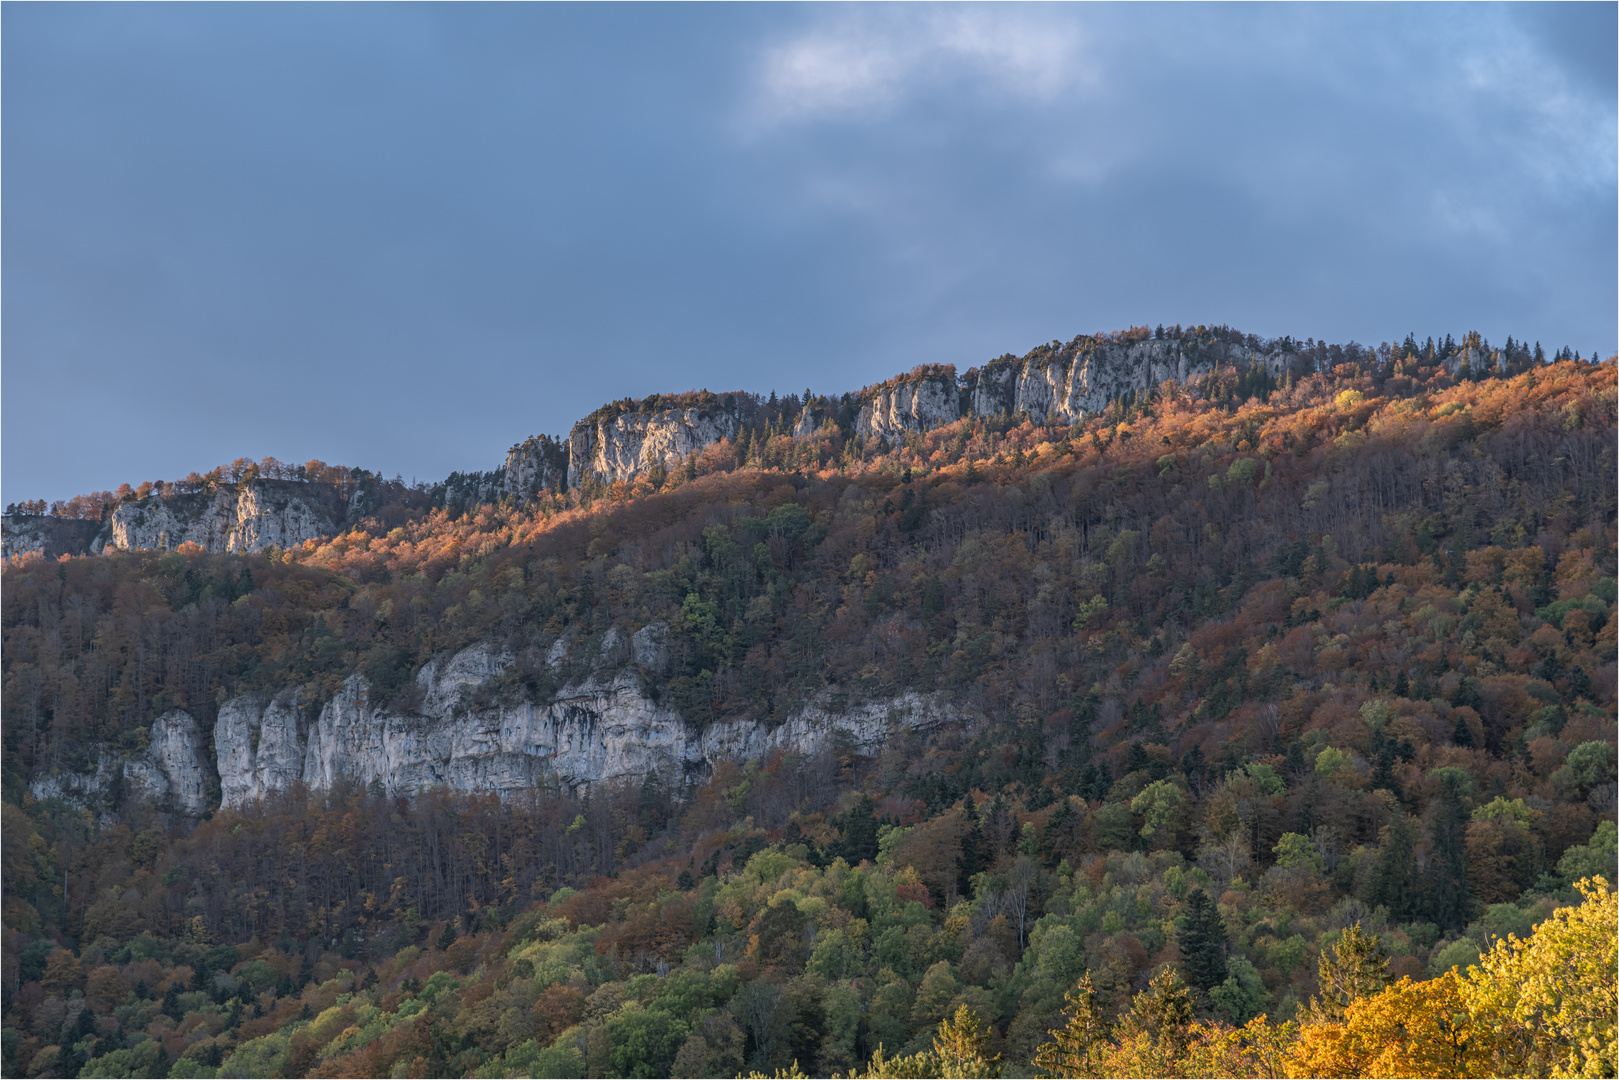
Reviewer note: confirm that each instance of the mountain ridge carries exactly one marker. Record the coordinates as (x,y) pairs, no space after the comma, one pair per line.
(625,440)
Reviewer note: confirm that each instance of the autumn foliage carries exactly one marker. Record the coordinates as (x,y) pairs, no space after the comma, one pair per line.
(1289,751)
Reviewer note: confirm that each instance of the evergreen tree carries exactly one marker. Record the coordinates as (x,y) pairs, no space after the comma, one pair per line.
(1392,884)
(859,827)
(1085,1023)
(1449,899)
(1202,942)
(1353,967)
(1462,735)
(972,858)
(962,1046)
(1193,765)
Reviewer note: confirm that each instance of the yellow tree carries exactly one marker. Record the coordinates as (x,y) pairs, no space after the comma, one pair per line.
(1257,1049)
(1553,998)
(961,1047)
(1410,1029)
(1071,1051)
(1152,1037)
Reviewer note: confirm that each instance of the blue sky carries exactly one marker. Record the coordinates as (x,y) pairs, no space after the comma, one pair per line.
(406,237)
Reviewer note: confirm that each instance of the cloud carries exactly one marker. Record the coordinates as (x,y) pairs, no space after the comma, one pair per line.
(867,65)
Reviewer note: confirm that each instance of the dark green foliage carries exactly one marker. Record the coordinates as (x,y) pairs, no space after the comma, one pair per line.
(1202,942)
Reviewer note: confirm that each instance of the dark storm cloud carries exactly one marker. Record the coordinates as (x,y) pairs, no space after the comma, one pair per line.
(406,237)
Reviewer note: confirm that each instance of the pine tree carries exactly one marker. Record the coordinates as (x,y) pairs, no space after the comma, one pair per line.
(1392,885)
(1202,942)
(1449,898)
(1070,1051)
(961,1047)
(1162,1016)
(971,860)
(1352,968)
(1462,735)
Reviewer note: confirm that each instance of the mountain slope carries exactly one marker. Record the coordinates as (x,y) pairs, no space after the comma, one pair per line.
(1318,648)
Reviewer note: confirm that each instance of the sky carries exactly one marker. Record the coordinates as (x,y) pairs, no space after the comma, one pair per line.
(407,237)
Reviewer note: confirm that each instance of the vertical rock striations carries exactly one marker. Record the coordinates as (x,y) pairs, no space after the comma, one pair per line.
(922,400)
(627,439)
(1066,383)
(173,772)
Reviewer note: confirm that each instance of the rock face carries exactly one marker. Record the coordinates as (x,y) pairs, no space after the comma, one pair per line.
(922,401)
(259,745)
(613,445)
(243,517)
(1068,383)
(172,771)
(539,463)
(22,534)
(627,439)
(600,728)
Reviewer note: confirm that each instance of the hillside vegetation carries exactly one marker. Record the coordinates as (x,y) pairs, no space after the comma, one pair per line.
(1290,699)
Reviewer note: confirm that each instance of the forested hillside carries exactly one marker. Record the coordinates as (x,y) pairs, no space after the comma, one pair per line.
(1270,682)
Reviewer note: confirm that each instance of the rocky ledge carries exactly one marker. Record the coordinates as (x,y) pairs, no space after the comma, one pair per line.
(600,728)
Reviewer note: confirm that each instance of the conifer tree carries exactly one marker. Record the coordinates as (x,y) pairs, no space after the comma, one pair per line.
(1202,942)
(1449,898)
(961,1047)
(1071,1050)
(1352,968)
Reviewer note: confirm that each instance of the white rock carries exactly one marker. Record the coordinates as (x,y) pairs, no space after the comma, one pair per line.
(258,746)
(913,405)
(598,730)
(171,771)
(649,646)
(176,749)
(630,443)
(244,517)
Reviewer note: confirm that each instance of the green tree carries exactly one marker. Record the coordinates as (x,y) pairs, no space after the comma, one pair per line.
(1353,967)
(1202,941)
(1071,1051)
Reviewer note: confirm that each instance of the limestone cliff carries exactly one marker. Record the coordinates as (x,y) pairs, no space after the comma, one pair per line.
(921,401)
(625,440)
(52,537)
(632,438)
(602,727)
(173,772)
(250,516)
(1068,382)
(538,463)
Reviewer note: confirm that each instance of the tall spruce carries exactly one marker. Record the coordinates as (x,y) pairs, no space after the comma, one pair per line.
(1449,898)
(1203,942)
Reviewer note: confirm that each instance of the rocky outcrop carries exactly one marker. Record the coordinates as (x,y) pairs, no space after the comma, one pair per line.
(623,443)
(921,401)
(52,537)
(1066,383)
(172,772)
(539,463)
(246,517)
(600,728)
(260,747)
(628,439)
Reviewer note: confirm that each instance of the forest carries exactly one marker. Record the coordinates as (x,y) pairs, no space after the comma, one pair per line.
(1294,754)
